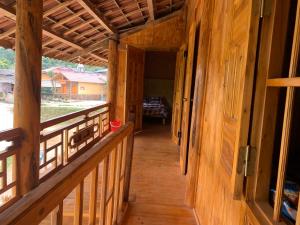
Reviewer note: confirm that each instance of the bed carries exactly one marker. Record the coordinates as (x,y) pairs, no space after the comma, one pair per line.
(156,107)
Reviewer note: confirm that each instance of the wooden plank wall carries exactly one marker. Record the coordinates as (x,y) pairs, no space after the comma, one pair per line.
(213,201)
(158,35)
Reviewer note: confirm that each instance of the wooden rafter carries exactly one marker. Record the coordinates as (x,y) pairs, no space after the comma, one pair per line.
(87,50)
(58,7)
(68,18)
(151,8)
(79,26)
(91,9)
(10,12)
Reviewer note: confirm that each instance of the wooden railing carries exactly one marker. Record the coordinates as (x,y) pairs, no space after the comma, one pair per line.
(10,141)
(49,202)
(62,140)
(65,138)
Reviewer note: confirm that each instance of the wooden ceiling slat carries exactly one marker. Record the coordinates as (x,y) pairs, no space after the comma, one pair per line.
(122,12)
(47,31)
(58,7)
(88,50)
(72,25)
(67,19)
(8,32)
(79,26)
(97,15)
(129,14)
(151,8)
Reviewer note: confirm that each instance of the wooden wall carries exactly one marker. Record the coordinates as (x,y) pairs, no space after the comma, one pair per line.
(224,26)
(166,34)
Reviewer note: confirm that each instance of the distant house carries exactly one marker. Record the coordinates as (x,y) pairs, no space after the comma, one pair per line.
(7,81)
(73,84)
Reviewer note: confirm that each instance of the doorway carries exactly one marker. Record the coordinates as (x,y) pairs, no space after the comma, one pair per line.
(159,77)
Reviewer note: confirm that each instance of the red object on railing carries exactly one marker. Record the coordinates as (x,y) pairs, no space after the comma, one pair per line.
(115,125)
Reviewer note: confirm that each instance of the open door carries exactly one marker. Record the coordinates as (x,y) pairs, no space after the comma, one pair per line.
(178,94)
(130,85)
(135,85)
(188,94)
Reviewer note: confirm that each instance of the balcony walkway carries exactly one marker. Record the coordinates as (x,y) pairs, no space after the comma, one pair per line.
(157,189)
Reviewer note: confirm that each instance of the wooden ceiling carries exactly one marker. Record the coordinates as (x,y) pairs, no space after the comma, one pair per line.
(78,30)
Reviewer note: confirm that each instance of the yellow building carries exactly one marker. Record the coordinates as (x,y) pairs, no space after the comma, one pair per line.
(78,85)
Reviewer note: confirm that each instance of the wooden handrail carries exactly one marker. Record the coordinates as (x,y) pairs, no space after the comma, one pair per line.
(11,135)
(70,116)
(69,136)
(37,204)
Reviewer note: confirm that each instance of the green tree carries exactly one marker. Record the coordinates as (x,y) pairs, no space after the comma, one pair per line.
(4,64)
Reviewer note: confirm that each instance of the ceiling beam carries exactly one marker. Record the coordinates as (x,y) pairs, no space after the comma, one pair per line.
(11,13)
(151,9)
(93,47)
(92,10)
(52,34)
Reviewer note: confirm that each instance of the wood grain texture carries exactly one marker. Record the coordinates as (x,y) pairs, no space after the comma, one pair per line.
(187,98)
(230,26)
(27,97)
(178,94)
(197,119)
(157,188)
(135,85)
(154,36)
(112,76)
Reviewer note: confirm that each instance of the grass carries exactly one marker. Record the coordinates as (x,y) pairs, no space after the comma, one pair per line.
(50,112)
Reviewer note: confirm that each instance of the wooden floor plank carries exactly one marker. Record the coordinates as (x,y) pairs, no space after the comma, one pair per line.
(157,187)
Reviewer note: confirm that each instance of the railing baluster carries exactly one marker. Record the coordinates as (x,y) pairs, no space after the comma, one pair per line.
(65,146)
(122,183)
(117,183)
(103,191)
(129,155)
(57,215)
(78,213)
(93,196)
(60,214)
(112,184)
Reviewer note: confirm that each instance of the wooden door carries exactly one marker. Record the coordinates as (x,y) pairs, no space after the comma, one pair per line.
(130,85)
(187,98)
(135,84)
(178,94)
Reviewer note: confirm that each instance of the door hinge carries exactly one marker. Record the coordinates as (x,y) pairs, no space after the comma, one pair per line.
(262,6)
(246,161)
(179,134)
(185,54)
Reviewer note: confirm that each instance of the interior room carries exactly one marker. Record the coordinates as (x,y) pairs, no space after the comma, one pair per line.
(159,79)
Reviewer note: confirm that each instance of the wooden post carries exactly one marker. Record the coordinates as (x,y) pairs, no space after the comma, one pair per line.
(112,76)
(28,88)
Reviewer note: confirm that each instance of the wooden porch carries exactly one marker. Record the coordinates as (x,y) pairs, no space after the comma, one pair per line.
(231,156)
(157,193)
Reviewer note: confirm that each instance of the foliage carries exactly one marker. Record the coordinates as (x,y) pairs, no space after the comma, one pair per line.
(7,61)
(4,64)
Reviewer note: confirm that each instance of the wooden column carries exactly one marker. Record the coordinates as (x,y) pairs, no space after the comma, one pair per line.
(112,76)
(28,88)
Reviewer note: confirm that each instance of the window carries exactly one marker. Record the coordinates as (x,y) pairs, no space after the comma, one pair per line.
(278,180)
